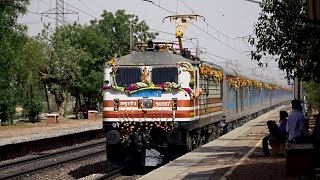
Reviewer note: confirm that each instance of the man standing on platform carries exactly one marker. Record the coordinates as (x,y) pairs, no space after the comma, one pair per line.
(296,125)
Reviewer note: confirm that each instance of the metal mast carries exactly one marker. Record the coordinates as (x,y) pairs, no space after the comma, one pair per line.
(60,11)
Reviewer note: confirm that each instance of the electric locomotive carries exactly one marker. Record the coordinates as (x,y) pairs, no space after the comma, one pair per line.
(159,103)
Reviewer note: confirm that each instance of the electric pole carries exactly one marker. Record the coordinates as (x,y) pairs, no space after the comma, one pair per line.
(60,11)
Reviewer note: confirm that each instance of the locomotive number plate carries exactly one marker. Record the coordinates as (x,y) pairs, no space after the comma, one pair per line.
(145,103)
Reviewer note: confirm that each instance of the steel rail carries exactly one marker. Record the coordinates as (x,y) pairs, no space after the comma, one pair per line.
(7,165)
(9,176)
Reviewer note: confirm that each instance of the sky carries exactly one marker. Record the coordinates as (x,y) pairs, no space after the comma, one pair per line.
(220,36)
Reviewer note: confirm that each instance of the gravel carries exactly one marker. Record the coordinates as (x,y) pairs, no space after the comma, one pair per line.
(67,170)
(84,169)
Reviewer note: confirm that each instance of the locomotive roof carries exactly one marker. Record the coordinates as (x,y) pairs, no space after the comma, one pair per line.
(152,58)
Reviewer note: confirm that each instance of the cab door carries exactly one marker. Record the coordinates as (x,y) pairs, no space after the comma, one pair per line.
(196,100)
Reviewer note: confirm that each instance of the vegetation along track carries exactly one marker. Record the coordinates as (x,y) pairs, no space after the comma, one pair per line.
(26,166)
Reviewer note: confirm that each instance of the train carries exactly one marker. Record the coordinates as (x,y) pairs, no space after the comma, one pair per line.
(159,103)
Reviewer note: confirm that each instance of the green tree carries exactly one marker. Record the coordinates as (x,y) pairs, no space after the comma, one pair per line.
(12,38)
(88,83)
(116,28)
(63,66)
(114,31)
(30,61)
(282,31)
(102,39)
(312,91)
(33,107)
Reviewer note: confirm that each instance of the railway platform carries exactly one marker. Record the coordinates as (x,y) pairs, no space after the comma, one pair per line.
(20,140)
(235,155)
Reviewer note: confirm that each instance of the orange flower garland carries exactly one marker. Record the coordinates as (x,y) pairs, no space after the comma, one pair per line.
(210,72)
(236,82)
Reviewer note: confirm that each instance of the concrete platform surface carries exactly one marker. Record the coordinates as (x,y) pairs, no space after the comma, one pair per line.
(15,134)
(219,158)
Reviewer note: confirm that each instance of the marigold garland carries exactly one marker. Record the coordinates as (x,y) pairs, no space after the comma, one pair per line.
(236,82)
(167,86)
(209,72)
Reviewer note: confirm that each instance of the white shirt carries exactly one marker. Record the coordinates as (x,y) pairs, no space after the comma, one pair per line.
(296,124)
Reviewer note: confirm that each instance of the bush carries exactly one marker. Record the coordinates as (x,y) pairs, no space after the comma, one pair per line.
(33,108)
(312,90)
(7,111)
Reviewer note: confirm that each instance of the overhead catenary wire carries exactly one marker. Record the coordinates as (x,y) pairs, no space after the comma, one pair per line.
(206,22)
(159,6)
(164,32)
(206,33)
(235,39)
(40,14)
(150,1)
(36,22)
(209,25)
(228,60)
(218,56)
(81,11)
(88,8)
(72,7)
(218,40)
(199,28)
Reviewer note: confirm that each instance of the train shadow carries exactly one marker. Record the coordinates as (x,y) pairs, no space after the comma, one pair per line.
(105,167)
(102,167)
(252,171)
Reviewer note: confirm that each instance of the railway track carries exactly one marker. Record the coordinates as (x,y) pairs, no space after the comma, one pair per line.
(31,165)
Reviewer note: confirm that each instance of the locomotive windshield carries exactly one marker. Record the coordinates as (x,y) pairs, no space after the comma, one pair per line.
(128,75)
(164,74)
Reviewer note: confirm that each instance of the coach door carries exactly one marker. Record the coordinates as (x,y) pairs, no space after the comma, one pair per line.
(241,98)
